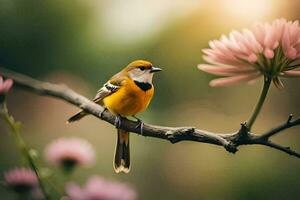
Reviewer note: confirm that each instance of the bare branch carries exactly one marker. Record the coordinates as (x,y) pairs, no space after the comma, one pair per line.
(230,141)
(288,124)
(287,150)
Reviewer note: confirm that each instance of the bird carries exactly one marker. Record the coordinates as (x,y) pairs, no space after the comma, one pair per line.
(125,94)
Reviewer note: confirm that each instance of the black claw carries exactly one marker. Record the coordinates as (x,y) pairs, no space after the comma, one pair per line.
(117,122)
(139,125)
(101,113)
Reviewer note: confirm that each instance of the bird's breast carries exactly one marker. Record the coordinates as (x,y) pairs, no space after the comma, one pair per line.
(130,99)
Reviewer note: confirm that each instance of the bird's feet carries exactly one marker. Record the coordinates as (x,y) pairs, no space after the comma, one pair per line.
(117,122)
(101,113)
(140,124)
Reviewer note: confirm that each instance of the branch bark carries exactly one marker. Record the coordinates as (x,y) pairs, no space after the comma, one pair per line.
(230,141)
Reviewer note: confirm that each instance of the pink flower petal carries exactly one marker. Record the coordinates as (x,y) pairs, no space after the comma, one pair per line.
(224,71)
(269,53)
(77,150)
(285,40)
(235,64)
(252,58)
(270,37)
(100,188)
(228,81)
(21,177)
(252,42)
(291,53)
(7,85)
(292,73)
(259,32)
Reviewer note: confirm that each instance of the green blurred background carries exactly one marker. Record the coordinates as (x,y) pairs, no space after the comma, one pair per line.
(83,42)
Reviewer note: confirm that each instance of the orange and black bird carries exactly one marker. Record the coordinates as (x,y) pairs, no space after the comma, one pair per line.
(125,94)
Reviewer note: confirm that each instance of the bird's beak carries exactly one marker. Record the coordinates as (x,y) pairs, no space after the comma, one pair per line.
(155,69)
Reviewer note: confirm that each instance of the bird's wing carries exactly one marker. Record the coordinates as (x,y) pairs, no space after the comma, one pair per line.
(105,91)
(108,88)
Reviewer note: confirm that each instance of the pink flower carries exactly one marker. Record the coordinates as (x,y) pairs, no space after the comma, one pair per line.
(270,50)
(70,152)
(21,180)
(5,85)
(98,188)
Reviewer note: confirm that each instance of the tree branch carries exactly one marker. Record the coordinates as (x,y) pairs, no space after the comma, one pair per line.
(230,141)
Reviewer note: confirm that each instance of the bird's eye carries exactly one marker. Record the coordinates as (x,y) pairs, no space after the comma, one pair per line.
(142,68)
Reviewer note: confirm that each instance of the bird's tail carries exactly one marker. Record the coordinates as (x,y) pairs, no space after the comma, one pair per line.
(77,116)
(122,154)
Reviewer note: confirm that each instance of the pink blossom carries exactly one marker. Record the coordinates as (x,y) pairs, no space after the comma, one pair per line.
(69,152)
(21,180)
(268,49)
(98,188)
(5,85)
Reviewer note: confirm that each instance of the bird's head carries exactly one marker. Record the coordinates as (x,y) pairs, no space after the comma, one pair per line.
(141,71)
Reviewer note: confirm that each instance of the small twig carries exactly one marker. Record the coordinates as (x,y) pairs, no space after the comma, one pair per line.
(288,124)
(242,134)
(230,141)
(287,150)
(289,118)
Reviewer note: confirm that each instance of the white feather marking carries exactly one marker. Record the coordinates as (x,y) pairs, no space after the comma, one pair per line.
(141,76)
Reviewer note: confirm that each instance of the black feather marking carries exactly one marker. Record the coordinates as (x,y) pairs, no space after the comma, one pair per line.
(144,86)
(111,87)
